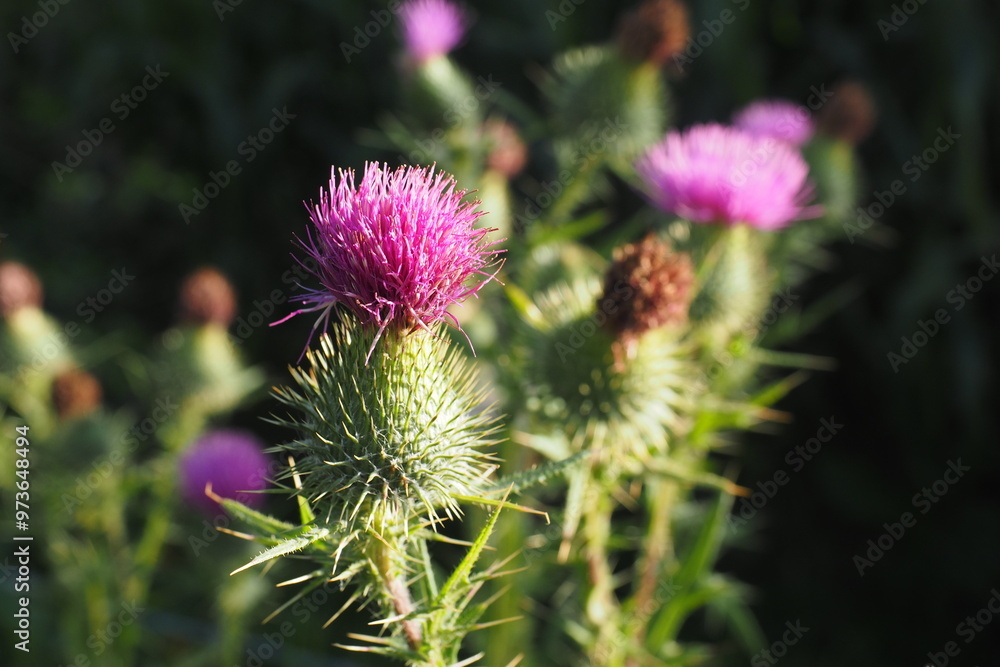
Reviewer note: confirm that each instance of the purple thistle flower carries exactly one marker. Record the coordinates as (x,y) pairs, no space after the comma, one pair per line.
(431,27)
(232,461)
(777,119)
(717,174)
(397,250)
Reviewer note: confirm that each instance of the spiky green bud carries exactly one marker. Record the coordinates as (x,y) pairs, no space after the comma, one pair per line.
(391,439)
(581,382)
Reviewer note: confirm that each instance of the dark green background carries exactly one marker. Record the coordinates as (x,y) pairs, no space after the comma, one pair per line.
(939,70)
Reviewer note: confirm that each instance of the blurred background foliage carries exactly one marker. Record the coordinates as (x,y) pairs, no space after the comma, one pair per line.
(230,65)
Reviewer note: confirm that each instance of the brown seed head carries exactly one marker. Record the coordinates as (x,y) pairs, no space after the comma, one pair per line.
(75,393)
(655,31)
(207,296)
(850,113)
(19,288)
(650,285)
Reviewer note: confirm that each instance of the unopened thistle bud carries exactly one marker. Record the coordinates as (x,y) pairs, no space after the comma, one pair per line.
(75,393)
(654,32)
(849,115)
(30,340)
(207,297)
(660,282)
(507,153)
(389,440)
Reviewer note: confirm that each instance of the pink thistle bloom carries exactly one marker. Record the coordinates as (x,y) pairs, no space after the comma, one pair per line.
(777,119)
(398,249)
(431,27)
(717,174)
(232,462)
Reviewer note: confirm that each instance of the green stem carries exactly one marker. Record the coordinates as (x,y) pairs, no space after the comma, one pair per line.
(397,591)
(657,547)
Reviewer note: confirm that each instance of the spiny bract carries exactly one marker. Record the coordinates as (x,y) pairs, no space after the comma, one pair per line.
(392,440)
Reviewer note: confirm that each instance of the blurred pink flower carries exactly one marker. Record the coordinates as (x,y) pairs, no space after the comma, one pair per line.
(777,119)
(717,174)
(431,27)
(398,249)
(232,461)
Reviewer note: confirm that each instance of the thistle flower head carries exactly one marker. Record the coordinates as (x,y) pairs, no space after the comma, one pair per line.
(397,249)
(19,288)
(207,296)
(717,174)
(431,27)
(655,31)
(647,286)
(232,461)
(776,119)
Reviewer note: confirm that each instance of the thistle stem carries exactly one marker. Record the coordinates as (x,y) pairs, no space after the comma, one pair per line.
(657,547)
(399,594)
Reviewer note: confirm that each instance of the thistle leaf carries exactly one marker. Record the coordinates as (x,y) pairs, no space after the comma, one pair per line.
(459,579)
(538,475)
(287,547)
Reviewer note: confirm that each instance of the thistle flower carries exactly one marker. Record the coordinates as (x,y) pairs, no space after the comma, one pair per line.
(397,250)
(232,461)
(431,27)
(655,31)
(717,174)
(776,119)
(208,297)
